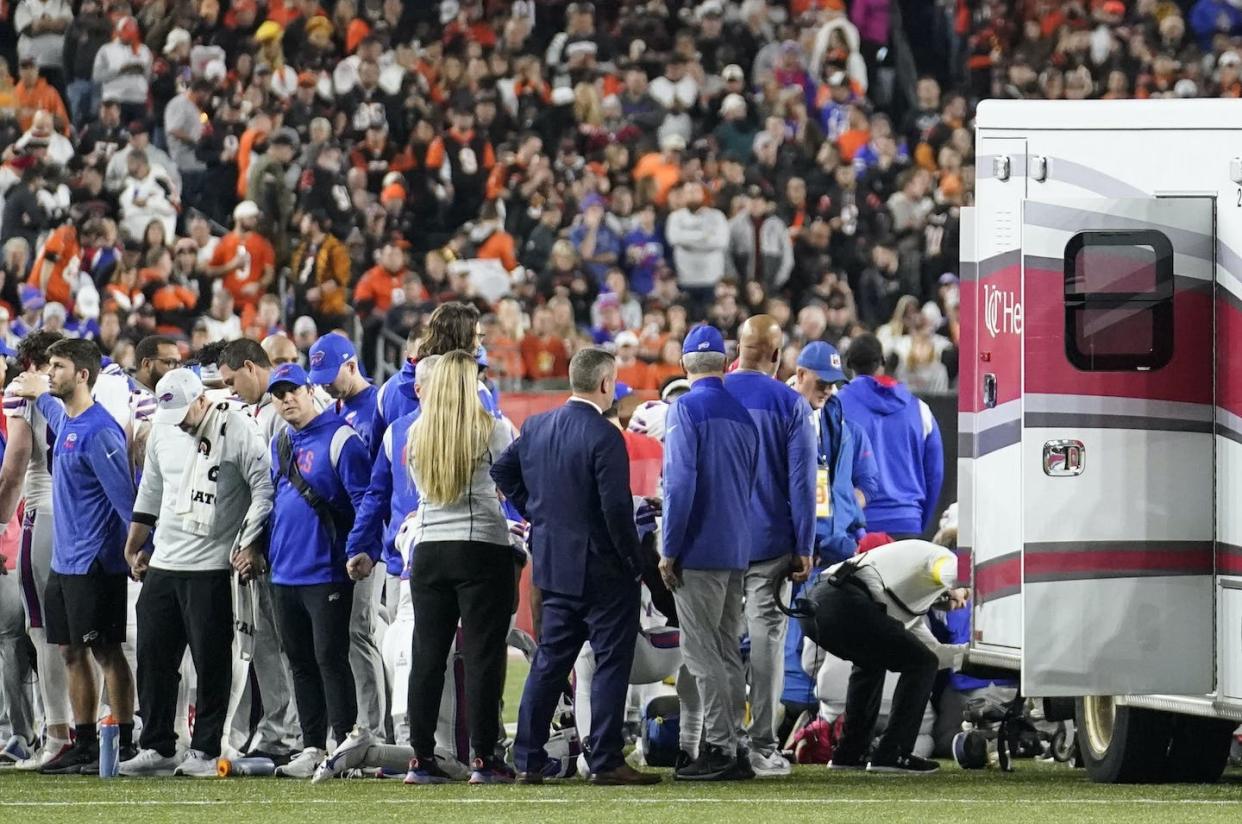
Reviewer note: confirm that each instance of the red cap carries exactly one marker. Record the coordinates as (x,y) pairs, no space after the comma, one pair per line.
(873,540)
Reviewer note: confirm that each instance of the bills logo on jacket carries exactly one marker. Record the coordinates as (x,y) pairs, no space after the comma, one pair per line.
(71,441)
(306,461)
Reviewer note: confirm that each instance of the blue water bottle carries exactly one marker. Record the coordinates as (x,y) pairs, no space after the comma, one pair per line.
(109,748)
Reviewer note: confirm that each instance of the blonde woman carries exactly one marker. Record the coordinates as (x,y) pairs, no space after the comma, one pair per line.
(462,567)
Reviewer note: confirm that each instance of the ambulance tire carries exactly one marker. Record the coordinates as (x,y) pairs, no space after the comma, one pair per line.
(1199,751)
(1122,745)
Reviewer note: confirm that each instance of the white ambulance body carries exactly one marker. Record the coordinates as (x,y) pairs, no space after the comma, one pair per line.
(1100,454)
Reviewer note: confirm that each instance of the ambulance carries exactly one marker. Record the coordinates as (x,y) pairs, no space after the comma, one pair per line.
(1100,447)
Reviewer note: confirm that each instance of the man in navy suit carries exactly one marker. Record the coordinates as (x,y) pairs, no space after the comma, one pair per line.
(569,476)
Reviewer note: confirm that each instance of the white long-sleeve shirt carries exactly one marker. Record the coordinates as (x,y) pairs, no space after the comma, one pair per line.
(128,87)
(243,494)
(907,578)
(700,242)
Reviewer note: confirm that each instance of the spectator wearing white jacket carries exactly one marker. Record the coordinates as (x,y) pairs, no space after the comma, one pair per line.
(699,236)
(148,195)
(759,244)
(139,140)
(123,68)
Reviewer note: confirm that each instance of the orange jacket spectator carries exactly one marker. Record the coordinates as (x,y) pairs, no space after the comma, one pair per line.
(30,99)
(664,172)
(245,148)
(331,264)
(376,287)
(544,357)
(245,284)
(637,375)
(499,246)
(61,248)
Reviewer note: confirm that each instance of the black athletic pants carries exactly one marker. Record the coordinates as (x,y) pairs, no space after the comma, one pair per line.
(473,582)
(850,624)
(176,609)
(314,628)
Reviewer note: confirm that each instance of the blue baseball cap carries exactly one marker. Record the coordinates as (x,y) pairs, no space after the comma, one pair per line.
(327,357)
(824,360)
(703,339)
(623,389)
(288,373)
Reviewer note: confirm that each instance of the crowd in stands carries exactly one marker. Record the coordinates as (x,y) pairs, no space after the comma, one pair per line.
(583,174)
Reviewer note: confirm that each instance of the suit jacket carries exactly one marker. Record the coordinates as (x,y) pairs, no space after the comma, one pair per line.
(569,476)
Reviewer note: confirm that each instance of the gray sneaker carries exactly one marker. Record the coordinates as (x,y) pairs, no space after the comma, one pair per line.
(197,764)
(148,764)
(303,764)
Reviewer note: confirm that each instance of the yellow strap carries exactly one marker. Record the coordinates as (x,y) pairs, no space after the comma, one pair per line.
(937,568)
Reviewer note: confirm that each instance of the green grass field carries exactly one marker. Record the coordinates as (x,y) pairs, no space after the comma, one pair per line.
(1038,794)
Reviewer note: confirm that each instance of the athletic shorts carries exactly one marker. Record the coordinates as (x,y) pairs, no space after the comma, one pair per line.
(86,609)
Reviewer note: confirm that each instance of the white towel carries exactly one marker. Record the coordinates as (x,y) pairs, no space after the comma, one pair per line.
(196,502)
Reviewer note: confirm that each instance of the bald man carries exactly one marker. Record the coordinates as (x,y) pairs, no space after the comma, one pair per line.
(782,524)
(280,349)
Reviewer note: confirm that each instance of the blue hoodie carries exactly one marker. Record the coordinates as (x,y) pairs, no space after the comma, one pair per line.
(359,412)
(711,449)
(782,503)
(390,496)
(844,447)
(335,463)
(395,398)
(908,452)
(92,489)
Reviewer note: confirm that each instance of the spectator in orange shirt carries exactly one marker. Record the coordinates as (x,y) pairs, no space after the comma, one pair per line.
(498,244)
(502,337)
(375,288)
(663,167)
(669,365)
(243,258)
(62,247)
(630,370)
(32,93)
(544,355)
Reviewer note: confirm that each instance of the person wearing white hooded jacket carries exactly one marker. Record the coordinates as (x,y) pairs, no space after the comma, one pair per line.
(871,610)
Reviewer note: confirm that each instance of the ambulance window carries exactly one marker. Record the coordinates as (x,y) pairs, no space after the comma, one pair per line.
(1119,300)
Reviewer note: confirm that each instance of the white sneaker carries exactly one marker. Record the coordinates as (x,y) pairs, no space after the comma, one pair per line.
(303,764)
(770,764)
(52,748)
(148,763)
(197,764)
(348,754)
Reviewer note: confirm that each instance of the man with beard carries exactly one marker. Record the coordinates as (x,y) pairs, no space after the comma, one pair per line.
(92,503)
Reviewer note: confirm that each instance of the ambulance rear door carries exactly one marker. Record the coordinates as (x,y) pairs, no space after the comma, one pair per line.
(1116,317)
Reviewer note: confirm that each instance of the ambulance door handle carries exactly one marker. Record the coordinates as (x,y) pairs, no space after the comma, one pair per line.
(989,391)
(1064,458)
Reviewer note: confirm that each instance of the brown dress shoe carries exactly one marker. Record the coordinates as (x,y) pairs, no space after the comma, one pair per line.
(530,778)
(624,776)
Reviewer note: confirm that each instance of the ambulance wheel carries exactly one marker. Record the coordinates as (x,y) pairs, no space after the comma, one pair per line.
(1122,745)
(1199,751)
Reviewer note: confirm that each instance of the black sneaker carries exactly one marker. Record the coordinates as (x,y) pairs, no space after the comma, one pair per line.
(713,764)
(742,770)
(906,764)
(683,760)
(846,762)
(72,761)
(279,759)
